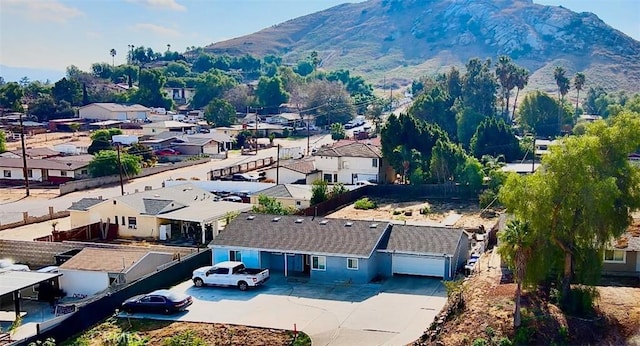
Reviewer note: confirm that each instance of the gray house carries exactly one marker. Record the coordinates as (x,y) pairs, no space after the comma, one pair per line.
(324,249)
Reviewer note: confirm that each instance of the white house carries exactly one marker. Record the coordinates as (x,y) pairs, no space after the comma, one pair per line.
(52,170)
(114,111)
(93,270)
(302,171)
(155,128)
(180,95)
(349,162)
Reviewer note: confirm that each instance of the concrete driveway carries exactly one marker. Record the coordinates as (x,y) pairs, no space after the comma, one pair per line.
(394,312)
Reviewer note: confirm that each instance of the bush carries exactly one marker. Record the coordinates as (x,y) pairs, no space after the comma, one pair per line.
(364,204)
(486,198)
(184,338)
(396,212)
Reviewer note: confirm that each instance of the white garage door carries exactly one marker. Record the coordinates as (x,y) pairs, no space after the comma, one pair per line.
(417,265)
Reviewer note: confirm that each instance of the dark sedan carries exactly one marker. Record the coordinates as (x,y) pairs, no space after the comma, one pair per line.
(160,301)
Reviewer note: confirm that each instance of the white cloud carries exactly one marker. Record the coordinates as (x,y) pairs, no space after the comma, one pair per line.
(156,29)
(44,10)
(162,4)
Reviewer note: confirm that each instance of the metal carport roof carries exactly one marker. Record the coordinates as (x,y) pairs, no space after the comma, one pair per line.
(13,281)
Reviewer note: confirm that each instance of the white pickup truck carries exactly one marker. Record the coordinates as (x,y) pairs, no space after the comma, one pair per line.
(230,273)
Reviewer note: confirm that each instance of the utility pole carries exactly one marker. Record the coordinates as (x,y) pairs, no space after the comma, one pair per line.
(256,132)
(120,169)
(533,161)
(25,171)
(278,166)
(308,137)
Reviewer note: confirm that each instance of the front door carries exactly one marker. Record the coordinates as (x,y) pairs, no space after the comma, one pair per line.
(307,264)
(45,175)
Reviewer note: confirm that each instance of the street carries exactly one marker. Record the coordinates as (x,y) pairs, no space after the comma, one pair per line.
(38,204)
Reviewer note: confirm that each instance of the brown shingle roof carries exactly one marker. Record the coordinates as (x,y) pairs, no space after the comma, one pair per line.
(421,239)
(355,149)
(103,260)
(57,164)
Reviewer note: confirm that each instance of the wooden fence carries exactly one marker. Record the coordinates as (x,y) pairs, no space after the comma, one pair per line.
(82,233)
(241,168)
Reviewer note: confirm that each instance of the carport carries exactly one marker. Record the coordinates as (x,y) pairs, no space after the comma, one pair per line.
(204,213)
(12,282)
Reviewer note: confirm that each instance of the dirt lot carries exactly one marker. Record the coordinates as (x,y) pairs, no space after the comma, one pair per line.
(459,214)
(156,332)
(488,314)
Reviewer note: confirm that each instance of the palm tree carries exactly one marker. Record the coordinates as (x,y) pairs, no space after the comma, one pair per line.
(113,56)
(564,84)
(578,83)
(516,247)
(522,79)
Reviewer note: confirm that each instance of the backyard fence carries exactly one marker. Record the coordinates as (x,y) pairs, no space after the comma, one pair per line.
(241,168)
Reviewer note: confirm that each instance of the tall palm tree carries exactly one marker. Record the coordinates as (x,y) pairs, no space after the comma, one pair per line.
(564,84)
(113,56)
(578,83)
(516,248)
(522,79)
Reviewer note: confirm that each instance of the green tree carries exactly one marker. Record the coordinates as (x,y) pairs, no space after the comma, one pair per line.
(337,189)
(580,201)
(270,205)
(105,163)
(149,91)
(3,142)
(177,69)
(479,87)
(538,113)
(145,152)
(113,53)
(271,93)
(210,86)
(337,131)
(329,102)
(522,79)
(68,90)
(98,145)
(467,121)
(435,106)
(105,134)
(506,71)
(516,249)
(578,82)
(319,192)
(219,112)
(564,84)
(494,137)
(10,96)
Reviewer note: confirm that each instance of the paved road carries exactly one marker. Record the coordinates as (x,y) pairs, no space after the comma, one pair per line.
(38,205)
(395,312)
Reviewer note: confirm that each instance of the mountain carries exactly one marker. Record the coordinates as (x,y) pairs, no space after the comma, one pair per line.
(14,74)
(401,40)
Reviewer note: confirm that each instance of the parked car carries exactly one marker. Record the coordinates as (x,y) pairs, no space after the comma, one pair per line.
(167,152)
(364,182)
(233,199)
(230,273)
(349,125)
(160,301)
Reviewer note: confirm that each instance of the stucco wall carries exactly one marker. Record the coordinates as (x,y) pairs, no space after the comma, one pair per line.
(148,264)
(250,258)
(336,270)
(631,264)
(83,282)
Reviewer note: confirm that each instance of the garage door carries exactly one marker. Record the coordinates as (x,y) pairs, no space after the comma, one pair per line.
(417,265)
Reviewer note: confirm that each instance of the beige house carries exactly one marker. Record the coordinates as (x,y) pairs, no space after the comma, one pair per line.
(290,195)
(170,212)
(114,111)
(52,170)
(623,256)
(301,171)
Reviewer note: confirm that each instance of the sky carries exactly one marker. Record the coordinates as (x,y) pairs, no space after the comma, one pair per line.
(53,34)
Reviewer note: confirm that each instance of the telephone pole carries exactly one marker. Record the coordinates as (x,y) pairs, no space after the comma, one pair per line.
(25,171)
(120,169)
(278,166)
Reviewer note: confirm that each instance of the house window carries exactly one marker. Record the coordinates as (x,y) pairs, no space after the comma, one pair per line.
(374,162)
(29,173)
(132,222)
(235,255)
(116,219)
(335,178)
(122,217)
(615,256)
(318,263)
(327,178)
(84,171)
(298,203)
(63,173)
(7,173)
(352,263)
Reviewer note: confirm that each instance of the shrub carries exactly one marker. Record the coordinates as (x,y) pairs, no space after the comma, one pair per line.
(364,204)
(480,342)
(425,210)
(397,212)
(184,338)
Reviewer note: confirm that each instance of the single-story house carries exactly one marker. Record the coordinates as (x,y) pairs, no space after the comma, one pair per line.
(114,111)
(93,270)
(328,250)
(348,162)
(180,96)
(195,144)
(52,170)
(264,130)
(155,128)
(32,153)
(288,119)
(73,148)
(623,256)
(184,210)
(301,171)
(298,196)
(520,168)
